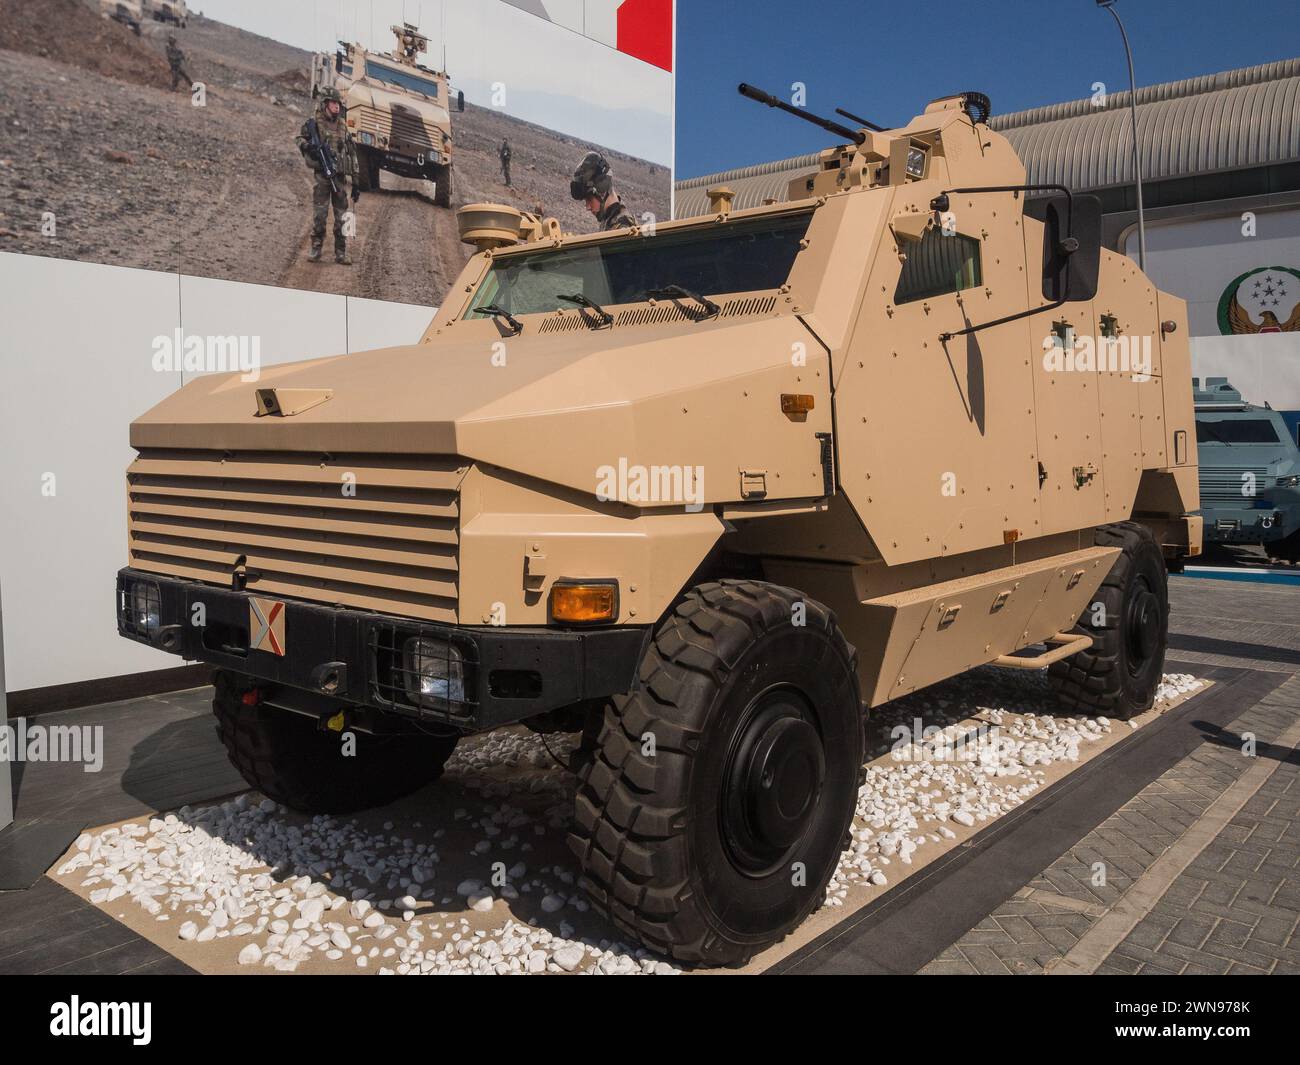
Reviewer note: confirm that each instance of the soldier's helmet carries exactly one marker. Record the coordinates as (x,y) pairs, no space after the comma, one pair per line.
(328,94)
(592,178)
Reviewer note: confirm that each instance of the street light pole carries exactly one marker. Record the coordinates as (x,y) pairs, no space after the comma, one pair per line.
(1109,5)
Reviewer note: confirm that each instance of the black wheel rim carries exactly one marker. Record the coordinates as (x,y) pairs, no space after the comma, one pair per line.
(772,783)
(1142,624)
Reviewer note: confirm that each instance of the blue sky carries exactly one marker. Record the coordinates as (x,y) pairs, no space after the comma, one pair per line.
(885,61)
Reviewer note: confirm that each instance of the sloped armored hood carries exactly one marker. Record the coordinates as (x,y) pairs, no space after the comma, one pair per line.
(552,407)
(363,94)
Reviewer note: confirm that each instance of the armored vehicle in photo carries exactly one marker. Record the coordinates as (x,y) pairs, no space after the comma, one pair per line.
(1249,472)
(398,110)
(704,494)
(172,11)
(128,12)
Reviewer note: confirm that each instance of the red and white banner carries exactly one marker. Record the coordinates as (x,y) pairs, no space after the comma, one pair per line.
(642,29)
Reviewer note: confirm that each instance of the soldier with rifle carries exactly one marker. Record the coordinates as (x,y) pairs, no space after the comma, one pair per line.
(327,148)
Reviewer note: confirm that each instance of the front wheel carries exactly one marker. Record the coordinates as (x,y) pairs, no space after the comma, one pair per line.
(1128,620)
(441,176)
(1286,549)
(287,758)
(722,790)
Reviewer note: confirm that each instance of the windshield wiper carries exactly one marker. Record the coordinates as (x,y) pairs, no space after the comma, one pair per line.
(582,301)
(516,326)
(677,293)
(1209,428)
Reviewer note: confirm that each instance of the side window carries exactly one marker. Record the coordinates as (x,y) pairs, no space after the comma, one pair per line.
(937,265)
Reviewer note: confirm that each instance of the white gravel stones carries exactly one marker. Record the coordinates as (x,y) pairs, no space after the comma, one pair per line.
(312,909)
(278,890)
(568,958)
(972,763)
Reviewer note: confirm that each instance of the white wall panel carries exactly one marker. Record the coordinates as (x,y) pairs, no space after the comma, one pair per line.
(1263,368)
(77,354)
(377,324)
(287,324)
(75,368)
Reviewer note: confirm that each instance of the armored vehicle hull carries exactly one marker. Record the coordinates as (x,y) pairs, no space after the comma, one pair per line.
(703,494)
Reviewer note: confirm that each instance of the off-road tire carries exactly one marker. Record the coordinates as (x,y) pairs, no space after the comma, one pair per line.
(441,177)
(1286,549)
(287,758)
(367,170)
(1119,674)
(659,839)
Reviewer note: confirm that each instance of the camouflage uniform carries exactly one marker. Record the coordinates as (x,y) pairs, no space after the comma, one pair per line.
(334,134)
(615,215)
(504,154)
(595,180)
(175,57)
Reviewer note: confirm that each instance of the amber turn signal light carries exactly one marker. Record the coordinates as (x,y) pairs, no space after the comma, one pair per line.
(584,603)
(795,404)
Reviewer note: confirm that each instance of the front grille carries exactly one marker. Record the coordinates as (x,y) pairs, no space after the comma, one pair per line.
(1233,484)
(373,532)
(401,127)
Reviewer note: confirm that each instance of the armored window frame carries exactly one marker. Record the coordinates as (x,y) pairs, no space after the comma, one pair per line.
(939,264)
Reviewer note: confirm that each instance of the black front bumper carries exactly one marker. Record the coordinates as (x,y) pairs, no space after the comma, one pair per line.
(336,658)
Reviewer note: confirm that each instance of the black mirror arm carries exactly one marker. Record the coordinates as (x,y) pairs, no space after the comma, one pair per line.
(945,337)
(1066,247)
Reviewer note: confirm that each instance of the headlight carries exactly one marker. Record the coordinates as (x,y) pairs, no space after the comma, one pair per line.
(367,138)
(433,671)
(1293,481)
(146,607)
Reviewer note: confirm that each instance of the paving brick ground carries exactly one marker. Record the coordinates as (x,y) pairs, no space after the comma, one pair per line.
(1233,909)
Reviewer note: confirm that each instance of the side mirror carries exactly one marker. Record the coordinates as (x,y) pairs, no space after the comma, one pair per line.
(460,100)
(1071,248)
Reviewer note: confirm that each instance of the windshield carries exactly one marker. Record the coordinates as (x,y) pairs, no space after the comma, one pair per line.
(750,256)
(1236,431)
(402,79)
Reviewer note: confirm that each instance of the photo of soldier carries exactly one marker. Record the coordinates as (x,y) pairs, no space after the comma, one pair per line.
(504,153)
(175,57)
(593,184)
(326,147)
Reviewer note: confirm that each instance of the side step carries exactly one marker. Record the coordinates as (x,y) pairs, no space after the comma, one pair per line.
(1063,645)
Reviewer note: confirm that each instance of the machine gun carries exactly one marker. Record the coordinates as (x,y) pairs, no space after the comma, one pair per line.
(329,166)
(831,126)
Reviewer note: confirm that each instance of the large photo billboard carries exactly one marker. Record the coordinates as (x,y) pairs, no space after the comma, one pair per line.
(321,144)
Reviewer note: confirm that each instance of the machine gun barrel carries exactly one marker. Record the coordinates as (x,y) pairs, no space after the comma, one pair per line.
(759,96)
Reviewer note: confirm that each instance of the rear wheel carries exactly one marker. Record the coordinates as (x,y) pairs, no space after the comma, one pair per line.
(721,791)
(1128,620)
(287,758)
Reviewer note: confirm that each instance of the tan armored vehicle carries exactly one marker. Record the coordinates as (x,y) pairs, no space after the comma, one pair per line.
(173,11)
(398,111)
(705,495)
(129,13)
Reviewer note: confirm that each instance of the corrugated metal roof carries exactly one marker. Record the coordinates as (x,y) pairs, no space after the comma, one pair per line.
(1226,121)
